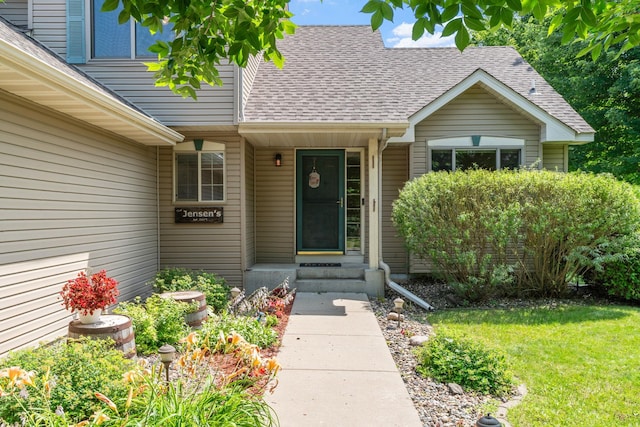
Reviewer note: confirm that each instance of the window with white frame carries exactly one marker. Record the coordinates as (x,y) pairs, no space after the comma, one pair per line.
(483,152)
(199,172)
(113,40)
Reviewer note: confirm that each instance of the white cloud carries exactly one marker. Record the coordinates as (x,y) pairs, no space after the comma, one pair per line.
(403,38)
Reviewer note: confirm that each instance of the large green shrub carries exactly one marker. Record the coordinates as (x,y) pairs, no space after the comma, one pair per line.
(157,322)
(76,370)
(212,286)
(495,233)
(456,359)
(619,276)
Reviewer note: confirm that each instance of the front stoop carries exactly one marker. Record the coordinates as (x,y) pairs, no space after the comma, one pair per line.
(346,278)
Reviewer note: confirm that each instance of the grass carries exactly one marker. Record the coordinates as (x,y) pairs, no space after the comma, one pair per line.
(581,364)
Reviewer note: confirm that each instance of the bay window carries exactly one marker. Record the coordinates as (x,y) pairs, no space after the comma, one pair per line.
(490,153)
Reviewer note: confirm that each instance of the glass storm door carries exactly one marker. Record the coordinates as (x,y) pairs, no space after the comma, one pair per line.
(320,201)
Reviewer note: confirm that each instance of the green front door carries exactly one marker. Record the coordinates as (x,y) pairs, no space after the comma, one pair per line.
(320,201)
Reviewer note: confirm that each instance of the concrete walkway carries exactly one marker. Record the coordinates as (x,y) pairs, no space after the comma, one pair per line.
(337,369)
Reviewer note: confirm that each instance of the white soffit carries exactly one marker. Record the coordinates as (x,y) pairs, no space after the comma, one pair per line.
(33,79)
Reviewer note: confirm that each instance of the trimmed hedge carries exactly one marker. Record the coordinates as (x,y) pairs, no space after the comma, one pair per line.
(514,232)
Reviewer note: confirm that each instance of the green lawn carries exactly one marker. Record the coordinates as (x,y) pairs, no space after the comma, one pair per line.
(581,364)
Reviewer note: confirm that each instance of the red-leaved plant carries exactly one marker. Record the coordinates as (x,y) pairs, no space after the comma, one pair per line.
(86,294)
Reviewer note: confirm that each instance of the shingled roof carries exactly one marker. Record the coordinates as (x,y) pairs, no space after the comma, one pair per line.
(345,74)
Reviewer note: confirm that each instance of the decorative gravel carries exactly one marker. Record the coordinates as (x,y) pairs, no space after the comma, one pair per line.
(437,405)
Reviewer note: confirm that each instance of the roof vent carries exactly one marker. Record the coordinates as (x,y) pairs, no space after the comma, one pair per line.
(532,90)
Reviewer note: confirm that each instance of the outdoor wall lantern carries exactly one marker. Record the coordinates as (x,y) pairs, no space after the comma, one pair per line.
(277,160)
(167,352)
(398,307)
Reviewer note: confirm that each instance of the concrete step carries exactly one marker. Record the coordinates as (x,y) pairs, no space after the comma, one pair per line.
(327,285)
(344,259)
(305,273)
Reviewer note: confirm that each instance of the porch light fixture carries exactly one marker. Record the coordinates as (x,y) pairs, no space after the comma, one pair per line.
(277,160)
(167,352)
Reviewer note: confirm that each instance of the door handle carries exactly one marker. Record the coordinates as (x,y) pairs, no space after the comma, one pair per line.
(340,202)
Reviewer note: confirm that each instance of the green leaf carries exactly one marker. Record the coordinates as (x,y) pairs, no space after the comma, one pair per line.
(418,29)
(462,38)
(588,17)
(450,12)
(452,27)
(371,6)
(376,20)
(471,10)
(123,17)
(539,10)
(514,5)
(110,5)
(387,11)
(288,26)
(556,21)
(507,17)
(595,54)
(474,24)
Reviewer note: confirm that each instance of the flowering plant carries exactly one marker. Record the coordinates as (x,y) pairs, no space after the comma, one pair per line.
(86,294)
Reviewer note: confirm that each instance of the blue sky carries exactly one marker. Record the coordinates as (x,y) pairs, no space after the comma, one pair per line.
(347,12)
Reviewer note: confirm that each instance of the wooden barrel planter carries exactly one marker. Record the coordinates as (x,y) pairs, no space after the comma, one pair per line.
(118,328)
(195,318)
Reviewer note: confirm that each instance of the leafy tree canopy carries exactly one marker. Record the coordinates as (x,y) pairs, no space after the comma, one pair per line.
(210,31)
(602,24)
(605,91)
(207,32)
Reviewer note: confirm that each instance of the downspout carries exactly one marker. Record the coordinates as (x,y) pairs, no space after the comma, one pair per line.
(157,208)
(384,141)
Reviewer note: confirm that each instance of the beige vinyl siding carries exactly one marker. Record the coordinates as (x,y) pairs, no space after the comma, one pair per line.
(475,112)
(130,79)
(554,157)
(212,247)
(275,194)
(15,11)
(50,24)
(395,161)
(250,212)
(70,198)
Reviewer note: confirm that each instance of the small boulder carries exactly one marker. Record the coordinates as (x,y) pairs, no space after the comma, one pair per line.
(417,340)
(455,388)
(394,316)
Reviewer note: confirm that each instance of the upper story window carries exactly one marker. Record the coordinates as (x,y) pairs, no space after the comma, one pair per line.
(482,152)
(113,40)
(199,172)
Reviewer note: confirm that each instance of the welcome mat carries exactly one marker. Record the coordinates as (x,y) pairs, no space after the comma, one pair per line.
(320,264)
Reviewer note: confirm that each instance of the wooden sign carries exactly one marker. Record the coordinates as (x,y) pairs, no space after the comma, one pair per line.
(199,215)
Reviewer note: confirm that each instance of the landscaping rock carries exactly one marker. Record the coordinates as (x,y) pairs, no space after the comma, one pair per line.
(394,316)
(455,388)
(417,340)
